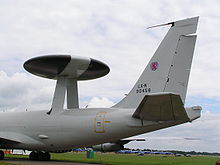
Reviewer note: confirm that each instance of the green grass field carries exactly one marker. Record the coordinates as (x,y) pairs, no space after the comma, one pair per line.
(118,159)
(5,163)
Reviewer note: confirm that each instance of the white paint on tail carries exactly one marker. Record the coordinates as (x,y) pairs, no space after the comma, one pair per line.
(169,68)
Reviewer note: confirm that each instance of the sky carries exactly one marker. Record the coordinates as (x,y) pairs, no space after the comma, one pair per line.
(114,32)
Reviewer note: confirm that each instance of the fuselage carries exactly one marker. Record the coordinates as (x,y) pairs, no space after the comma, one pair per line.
(73,128)
(156,100)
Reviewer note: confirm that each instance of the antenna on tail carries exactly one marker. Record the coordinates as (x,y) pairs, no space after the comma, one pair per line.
(171,23)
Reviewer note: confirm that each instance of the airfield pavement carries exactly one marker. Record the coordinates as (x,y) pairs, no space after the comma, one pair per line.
(28,162)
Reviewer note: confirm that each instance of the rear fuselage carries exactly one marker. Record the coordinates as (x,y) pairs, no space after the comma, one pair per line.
(73,128)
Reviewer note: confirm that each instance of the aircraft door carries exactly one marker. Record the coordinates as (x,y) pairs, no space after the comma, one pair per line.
(99,122)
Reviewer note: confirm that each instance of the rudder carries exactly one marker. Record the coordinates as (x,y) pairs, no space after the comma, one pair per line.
(177,80)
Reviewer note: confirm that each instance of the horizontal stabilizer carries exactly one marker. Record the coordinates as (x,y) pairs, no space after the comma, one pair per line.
(194,112)
(127,140)
(161,107)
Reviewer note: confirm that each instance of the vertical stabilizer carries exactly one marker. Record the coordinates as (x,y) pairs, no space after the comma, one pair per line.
(169,68)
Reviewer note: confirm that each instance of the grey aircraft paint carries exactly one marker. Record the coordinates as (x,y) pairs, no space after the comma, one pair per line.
(155,102)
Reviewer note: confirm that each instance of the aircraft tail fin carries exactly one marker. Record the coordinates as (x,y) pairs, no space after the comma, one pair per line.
(169,68)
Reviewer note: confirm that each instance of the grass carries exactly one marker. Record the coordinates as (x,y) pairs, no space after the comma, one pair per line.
(118,159)
(5,163)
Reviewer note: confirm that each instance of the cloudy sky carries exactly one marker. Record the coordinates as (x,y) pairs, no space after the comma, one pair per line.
(113,31)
